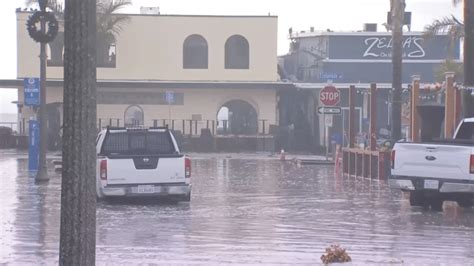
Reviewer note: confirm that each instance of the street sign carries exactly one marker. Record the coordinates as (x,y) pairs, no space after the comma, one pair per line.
(169,95)
(33,145)
(330,76)
(31,88)
(330,96)
(329,110)
(328,120)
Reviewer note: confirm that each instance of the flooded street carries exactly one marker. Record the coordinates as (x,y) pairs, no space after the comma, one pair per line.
(245,211)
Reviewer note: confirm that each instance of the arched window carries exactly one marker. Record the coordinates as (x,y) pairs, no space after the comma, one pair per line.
(195,52)
(134,116)
(237,53)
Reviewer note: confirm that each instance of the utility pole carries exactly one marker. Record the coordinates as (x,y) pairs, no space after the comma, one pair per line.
(78,197)
(397,9)
(468,98)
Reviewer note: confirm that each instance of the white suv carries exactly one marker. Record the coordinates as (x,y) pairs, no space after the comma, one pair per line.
(141,162)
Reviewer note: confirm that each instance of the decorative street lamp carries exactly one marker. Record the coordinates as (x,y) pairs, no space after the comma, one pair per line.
(45,34)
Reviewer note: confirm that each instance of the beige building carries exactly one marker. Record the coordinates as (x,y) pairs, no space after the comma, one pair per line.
(173,69)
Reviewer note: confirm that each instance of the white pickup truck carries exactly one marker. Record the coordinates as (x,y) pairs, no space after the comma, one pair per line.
(141,163)
(437,171)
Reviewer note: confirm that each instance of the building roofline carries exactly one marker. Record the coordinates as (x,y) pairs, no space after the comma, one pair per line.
(317,86)
(297,35)
(178,15)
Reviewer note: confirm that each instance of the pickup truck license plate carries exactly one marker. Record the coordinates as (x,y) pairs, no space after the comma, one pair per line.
(431,184)
(146,189)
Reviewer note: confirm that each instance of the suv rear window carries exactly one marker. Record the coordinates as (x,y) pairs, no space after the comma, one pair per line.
(137,143)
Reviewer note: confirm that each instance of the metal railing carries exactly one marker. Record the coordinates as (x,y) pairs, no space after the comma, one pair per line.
(12,125)
(191,127)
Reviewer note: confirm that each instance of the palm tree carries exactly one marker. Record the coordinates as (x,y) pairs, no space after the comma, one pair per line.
(109,26)
(77,242)
(397,10)
(468,99)
(458,29)
(448,66)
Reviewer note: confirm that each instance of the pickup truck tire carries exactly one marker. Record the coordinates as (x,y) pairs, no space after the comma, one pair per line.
(465,203)
(187,198)
(417,199)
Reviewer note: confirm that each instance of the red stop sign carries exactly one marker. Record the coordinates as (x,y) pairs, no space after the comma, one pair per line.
(329,96)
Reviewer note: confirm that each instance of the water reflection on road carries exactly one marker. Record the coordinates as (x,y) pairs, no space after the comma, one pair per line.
(242,211)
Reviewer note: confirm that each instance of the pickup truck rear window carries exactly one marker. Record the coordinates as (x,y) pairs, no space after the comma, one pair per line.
(137,143)
(466,131)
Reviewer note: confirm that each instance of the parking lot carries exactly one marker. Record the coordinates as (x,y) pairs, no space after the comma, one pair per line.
(243,210)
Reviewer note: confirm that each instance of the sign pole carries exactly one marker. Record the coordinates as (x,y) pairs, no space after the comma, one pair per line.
(169,97)
(325,136)
(169,112)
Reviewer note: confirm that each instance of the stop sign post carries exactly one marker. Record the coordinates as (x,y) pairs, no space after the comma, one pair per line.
(330,96)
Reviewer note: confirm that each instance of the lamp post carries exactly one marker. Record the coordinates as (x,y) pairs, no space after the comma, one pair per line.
(43,36)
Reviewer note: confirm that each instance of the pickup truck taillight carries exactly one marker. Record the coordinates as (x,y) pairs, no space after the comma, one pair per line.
(392,157)
(187,167)
(103,169)
(471,165)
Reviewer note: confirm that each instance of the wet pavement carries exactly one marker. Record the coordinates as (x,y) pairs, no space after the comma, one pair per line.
(245,211)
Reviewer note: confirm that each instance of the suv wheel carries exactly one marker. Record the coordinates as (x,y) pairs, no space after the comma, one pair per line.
(437,204)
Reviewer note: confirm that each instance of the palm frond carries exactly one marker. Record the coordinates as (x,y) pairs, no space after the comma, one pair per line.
(56,6)
(446,25)
(31,2)
(109,23)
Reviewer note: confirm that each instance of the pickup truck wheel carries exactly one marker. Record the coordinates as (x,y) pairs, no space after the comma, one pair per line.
(465,203)
(187,198)
(436,204)
(417,199)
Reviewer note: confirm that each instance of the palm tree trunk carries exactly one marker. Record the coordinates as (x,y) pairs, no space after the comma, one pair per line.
(398,12)
(78,200)
(468,100)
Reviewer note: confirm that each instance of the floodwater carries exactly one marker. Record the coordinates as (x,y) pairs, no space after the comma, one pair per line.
(243,210)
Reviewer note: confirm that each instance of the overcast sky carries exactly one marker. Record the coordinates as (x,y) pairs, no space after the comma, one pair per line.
(337,15)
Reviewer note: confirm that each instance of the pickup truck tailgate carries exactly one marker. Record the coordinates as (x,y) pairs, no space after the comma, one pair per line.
(145,170)
(432,160)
